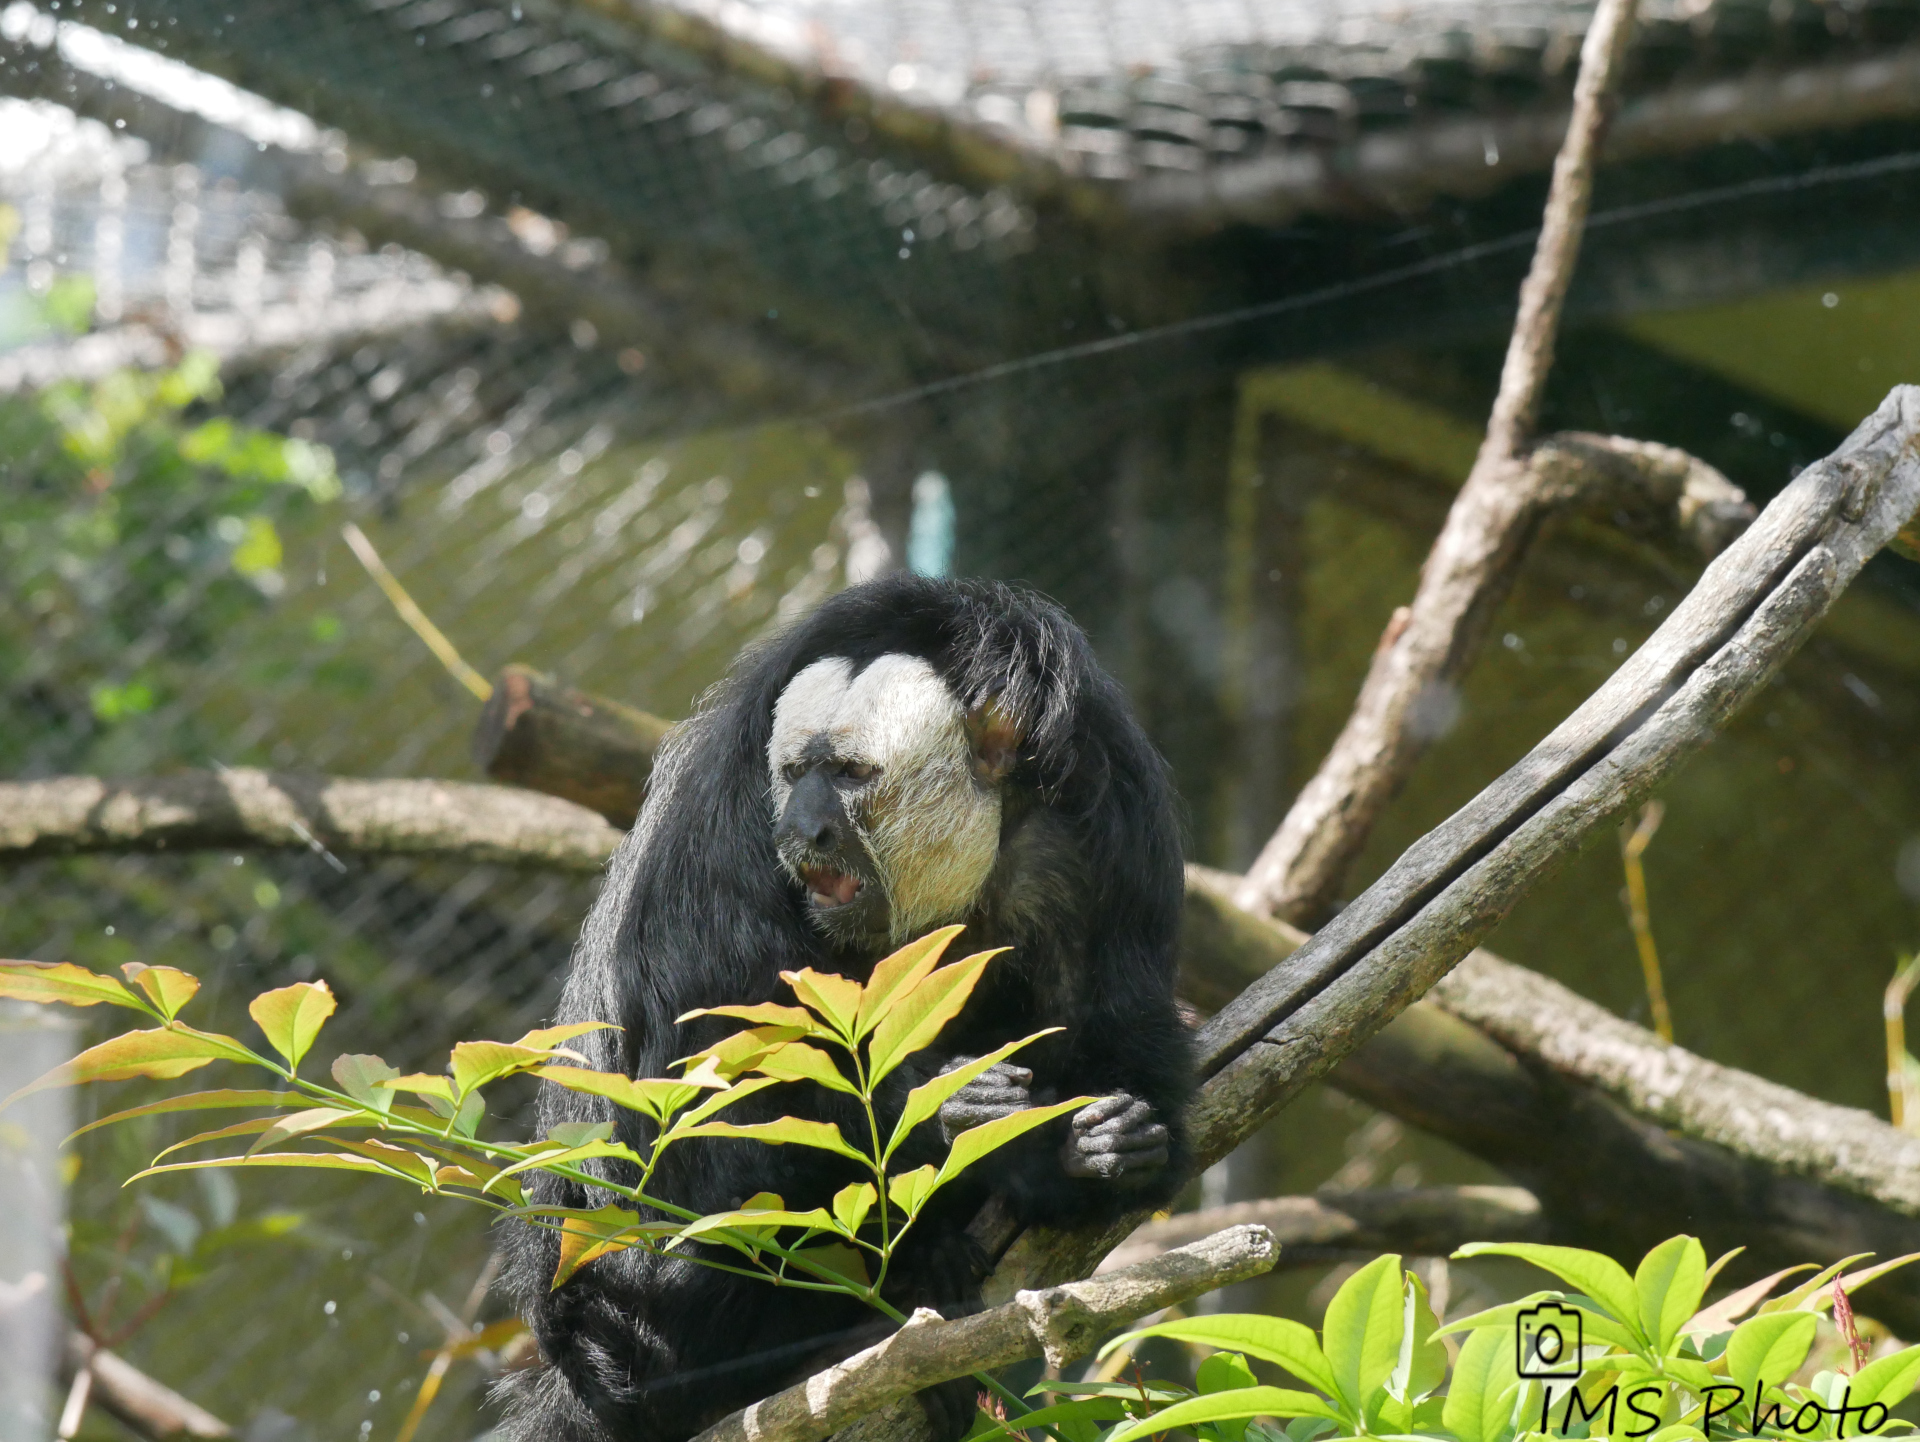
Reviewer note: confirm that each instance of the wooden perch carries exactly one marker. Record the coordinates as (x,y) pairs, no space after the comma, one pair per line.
(1061,1323)
(151,1409)
(1312,1231)
(537,733)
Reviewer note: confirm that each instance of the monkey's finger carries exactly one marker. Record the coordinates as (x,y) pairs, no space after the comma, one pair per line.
(1004,1074)
(1138,1114)
(1094,1113)
(1145,1139)
(978,1095)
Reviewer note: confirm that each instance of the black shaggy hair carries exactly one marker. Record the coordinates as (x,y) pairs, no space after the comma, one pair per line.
(697,912)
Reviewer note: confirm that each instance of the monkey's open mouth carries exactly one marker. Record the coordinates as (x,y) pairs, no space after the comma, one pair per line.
(828,888)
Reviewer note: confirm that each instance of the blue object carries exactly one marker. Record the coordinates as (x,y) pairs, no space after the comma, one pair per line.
(930,533)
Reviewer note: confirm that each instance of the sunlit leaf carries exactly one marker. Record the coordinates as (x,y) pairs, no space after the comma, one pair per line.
(476,1063)
(976,1142)
(399,1160)
(727,1058)
(851,1205)
(909,1190)
(657,1097)
(165,1053)
(835,1262)
(360,1077)
(166,987)
(1854,1281)
(835,998)
(1888,1381)
(65,983)
(796,1061)
(925,1100)
(291,1017)
(896,975)
(754,1223)
(1598,1326)
(1594,1273)
(1218,1406)
(199,1101)
(1278,1340)
(1721,1316)
(1485,1385)
(318,1161)
(768,1013)
(548,1037)
(1769,1349)
(314,1119)
(1361,1331)
(797,1131)
(1669,1282)
(1422,1362)
(564,1156)
(1809,1294)
(586,1235)
(917,1015)
(719,1101)
(578,1134)
(491,1338)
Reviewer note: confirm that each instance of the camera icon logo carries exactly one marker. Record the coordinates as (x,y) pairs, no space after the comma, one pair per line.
(1547,1341)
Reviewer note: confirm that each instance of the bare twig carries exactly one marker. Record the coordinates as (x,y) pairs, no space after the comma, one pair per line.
(1635,837)
(418,621)
(1428,646)
(1061,1322)
(115,1385)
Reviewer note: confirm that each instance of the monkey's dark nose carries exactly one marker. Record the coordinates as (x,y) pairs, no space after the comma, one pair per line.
(813,813)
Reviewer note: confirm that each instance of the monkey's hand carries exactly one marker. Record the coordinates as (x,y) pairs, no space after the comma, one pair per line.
(1114,1137)
(996,1092)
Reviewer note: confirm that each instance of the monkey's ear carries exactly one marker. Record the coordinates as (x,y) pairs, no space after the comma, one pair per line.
(994,736)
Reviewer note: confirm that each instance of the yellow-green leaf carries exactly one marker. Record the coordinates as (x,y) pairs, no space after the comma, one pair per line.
(360,1077)
(835,1262)
(1670,1281)
(318,1161)
(199,1101)
(587,1235)
(563,1155)
(65,983)
(721,1100)
(977,1142)
(167,987)
(824,1136)
(314,1119)
(546,1038)
(796,1061)
(1361,1331)
(768,1013)
(1594,1273)
(896,975)
(1225,1406)
(398,1160)
(726,1059)
(835,998)
(476,1063)
(909,1190)
(165,1052)
(916,1018)
(851,1205)
(1769,1349)
(291,1016)
(926,1099)
(422,1084)
(1279,1340)
(755,1224)
(657,1097)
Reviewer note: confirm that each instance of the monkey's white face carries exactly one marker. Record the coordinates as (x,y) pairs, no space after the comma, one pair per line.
(886,753)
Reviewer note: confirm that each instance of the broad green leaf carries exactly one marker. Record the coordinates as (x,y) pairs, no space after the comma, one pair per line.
(909,1190)
(1480,1398)
(1721,1316)
(1594,1273)
(165,1053)
(1888,1381)
(755,1224)
(1422,1362)
(1769,1349)
(199,1101)
(360,1077)
(767,1013)
(398,1160)
(727,1058)
(578,1134)
(851,1205)
(436,1089)
(835,998)
(927,1099)
(976,1142)
(1670,1281)
(657,1097)
(254,1126)
(1278,1340)
(896,975)
(1361,1331)
(916,1017)
(835,1262)
(291,1017)
(65,983)
(1157,1392)
(1218,1406)
(586,1235)
(796,1061)
(318,1161)
(476,1063)
(565,1156)
(1065,1415)
(166,987)
(1226,1372)
(546,1038)
(314,1119)
(1808,1294)
(1597,1326)
(1678,1432)
(1854,1281)
(824,1136)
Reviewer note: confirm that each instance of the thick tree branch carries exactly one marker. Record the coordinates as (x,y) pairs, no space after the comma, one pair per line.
(1311,1231)
(538,733)
(1063,1323)
(151,1409)
(1474,559)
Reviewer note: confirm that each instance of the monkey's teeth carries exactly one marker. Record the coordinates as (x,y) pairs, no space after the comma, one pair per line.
(830,888)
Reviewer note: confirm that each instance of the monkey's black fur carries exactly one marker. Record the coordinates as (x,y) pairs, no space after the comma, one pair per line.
(696,912)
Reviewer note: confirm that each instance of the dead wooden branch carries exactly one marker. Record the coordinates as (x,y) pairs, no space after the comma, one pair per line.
(151,1409)
(1063,1323)
(1312,1231)
(1429,645)
(537,733)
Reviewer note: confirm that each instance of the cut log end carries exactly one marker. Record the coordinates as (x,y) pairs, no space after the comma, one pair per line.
(536,732)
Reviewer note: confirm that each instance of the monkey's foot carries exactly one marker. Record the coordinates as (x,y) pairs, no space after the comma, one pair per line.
(997,1092)
(1114,1137)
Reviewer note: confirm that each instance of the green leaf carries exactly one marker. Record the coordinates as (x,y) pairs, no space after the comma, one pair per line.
(1769,1349)
(65,983)
(165,1053)
(796,1061)
(768,1013)
(291,1016)
(896,975)
(719,1101)
(561,1156)
(1721,1316)
(398,1161)
(657,1097)
(835,998)
(917,1015)
(317,1161)
(1422,1362)
(1669,1282)
(476,1063)
(359,1076)
(167,987)
(1218,1406)
(438,1090)
(1599,1276)
(1808,1293)
(586,1235)
(1278,1340)
(927,1099)
(1361,1334)
(1888,1381)
(976,1142)
(1480,1399)
(578,1134)
(1598,1326)
(824,1136)
(314,1119)
(1226,1372)
(835,1262)
(727,1058)
(199,1101)
(1854,1281)
(755,1224)
(851,1205)
(546,1038)
(909,1190)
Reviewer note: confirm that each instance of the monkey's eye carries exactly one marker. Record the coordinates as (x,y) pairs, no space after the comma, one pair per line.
(859,771)
(793,771)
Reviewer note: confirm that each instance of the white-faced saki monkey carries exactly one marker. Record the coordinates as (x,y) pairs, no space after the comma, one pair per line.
(914,753)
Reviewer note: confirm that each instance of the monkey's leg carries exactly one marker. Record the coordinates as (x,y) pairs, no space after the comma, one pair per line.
(1114,1137)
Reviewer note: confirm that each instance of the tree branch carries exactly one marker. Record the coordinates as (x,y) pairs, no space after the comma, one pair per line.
(1064,1323)
(1474,559)
(1311,1231)
(149,1408)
